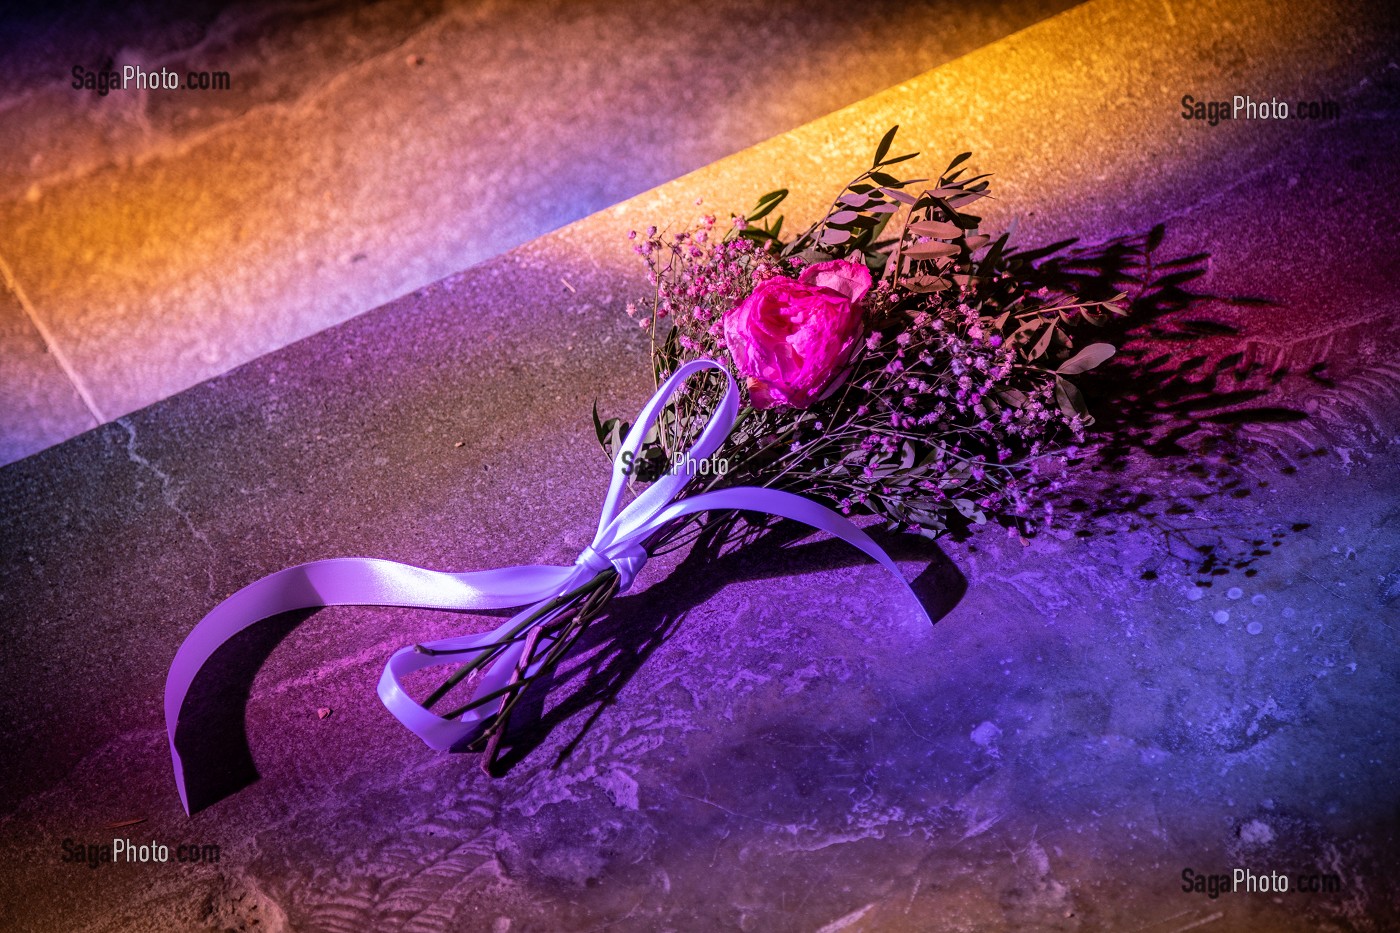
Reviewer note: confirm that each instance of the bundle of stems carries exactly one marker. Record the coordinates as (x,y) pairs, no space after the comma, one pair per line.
(551,631)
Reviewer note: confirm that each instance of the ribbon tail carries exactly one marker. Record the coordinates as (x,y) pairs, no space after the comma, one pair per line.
(344,582)
(784,505)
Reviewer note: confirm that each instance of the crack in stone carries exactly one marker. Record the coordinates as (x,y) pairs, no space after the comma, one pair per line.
(169,496)
(7,278)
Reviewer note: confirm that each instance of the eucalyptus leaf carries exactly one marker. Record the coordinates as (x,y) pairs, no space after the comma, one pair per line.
(1068,397)
(930,250)
(883,148)
(957,160)
(1091,356)
(766,204)
(1043,344)
(1013,397)
(598,425)
(936,228)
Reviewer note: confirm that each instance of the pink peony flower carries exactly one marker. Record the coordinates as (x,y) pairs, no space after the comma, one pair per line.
(793,338)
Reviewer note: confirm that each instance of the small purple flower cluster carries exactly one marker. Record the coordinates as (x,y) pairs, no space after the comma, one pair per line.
(697,276)
(946,412)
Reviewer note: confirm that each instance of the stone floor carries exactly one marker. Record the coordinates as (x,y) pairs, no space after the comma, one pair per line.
(1196,668)
(363,151)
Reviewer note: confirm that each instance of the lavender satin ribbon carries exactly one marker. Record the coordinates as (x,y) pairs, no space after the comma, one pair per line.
(363,581)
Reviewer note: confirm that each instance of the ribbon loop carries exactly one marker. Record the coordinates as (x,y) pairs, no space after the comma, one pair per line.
(620,543)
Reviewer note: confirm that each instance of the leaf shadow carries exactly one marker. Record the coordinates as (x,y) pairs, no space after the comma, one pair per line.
(1170,407)
(616,645)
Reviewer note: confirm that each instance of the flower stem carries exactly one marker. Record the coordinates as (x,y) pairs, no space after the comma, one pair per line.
(486,653)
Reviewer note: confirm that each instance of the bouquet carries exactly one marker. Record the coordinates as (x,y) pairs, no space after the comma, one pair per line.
(890,360)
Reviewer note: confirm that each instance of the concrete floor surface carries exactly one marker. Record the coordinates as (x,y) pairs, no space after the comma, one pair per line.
(1194,668)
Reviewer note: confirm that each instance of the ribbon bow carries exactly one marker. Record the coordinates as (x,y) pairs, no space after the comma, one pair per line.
(365,581)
